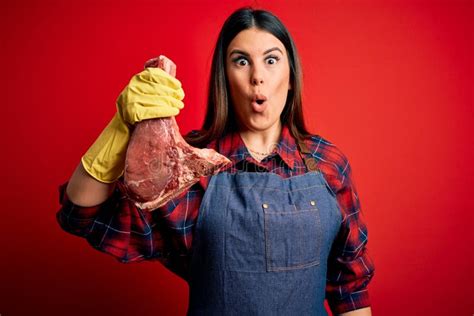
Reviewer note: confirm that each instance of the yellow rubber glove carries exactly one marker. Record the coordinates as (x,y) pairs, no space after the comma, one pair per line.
(152,93)
(105,159)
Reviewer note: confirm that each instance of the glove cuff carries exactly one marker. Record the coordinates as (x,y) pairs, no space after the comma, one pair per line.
(105,159)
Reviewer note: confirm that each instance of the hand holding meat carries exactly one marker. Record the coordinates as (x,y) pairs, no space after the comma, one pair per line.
(152,93)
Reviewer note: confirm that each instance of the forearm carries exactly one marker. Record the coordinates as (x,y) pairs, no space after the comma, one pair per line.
(107,227)
(84,190)
(366,311)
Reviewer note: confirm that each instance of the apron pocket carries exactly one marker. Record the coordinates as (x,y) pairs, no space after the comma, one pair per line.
(292,237)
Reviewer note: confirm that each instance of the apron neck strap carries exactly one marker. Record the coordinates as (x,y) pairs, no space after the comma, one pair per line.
(306,155)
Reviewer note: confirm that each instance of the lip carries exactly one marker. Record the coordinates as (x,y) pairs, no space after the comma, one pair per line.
(259,96)
(259,108)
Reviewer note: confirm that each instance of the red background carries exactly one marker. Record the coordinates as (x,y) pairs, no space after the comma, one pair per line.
(389,82)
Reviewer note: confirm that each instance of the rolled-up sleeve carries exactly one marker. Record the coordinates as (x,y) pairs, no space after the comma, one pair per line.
(350,267)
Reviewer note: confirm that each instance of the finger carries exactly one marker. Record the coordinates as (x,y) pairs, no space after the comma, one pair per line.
(156,75)
(139,113)
(153,89)
(153,100)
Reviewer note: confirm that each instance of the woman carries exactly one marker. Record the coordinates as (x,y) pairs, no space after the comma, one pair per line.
(276,233)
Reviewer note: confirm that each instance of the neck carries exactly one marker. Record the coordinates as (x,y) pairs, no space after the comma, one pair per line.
(262,141)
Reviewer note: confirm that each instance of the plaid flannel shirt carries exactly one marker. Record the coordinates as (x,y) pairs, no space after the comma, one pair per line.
(119,228)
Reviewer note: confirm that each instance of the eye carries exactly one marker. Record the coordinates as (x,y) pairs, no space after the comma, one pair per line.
(273,59)
(241,61)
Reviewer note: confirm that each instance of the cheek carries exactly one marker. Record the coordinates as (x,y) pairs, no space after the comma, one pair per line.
(282,93)
(237,89)
(235,80)
(282,78)
(283,86)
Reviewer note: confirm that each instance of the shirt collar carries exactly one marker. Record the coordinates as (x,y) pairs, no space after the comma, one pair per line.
(233,147)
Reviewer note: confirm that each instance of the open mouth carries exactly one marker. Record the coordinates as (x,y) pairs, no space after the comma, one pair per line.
(259,98)
(259,103)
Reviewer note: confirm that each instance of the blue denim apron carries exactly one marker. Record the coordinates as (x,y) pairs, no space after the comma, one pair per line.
(261,244)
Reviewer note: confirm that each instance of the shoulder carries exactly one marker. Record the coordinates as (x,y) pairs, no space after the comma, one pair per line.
(330,159)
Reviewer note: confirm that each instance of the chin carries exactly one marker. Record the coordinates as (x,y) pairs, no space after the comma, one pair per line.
(261,125)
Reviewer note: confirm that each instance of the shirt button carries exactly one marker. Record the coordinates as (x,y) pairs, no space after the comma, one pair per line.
(313,203)
(265,205)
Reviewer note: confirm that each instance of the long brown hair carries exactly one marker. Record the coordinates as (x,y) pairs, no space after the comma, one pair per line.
(220,118)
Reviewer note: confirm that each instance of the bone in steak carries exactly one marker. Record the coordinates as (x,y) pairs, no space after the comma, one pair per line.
(160,165)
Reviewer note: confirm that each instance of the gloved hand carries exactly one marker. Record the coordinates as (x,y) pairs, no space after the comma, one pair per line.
(152,93)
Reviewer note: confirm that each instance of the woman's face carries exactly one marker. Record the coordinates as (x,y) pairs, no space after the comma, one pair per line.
(257,70)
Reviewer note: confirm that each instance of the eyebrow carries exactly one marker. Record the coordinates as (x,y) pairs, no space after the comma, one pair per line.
(238,51)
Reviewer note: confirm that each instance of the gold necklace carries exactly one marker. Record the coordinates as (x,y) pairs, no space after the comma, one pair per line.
(256,157)
(259,153)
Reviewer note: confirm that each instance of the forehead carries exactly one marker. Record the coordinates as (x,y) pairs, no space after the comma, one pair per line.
(254,41)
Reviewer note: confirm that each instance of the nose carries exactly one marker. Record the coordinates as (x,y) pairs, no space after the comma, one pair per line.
(257,81)
(257,77)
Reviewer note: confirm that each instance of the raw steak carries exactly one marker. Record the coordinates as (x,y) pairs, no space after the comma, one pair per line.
(159,164)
